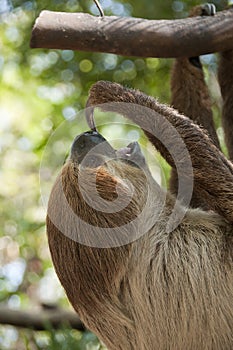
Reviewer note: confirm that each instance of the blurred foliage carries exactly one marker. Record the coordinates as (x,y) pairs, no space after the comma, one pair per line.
(41,91)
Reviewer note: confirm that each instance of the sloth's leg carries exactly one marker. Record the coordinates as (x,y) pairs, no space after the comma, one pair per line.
(213,173)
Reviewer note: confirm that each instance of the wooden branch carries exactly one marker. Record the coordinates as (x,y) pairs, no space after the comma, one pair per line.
(40,321)
(134,36)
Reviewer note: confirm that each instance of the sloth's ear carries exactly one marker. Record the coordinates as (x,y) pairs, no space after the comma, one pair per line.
(132,154)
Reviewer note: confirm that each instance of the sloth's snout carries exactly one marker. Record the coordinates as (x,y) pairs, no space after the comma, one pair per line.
(85,142)
(89,146)
(92,150)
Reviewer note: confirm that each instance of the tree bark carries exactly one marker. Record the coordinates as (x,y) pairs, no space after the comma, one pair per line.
(134,36)
(40,321)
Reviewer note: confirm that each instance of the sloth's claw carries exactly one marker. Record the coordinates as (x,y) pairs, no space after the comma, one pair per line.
(208,9)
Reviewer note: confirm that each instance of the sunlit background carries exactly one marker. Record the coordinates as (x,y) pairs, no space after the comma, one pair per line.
(42,91)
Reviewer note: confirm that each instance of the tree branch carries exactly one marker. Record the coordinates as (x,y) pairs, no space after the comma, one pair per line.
(134,36)
(40,321)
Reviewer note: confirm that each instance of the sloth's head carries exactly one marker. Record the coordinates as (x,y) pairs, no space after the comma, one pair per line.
(101,193)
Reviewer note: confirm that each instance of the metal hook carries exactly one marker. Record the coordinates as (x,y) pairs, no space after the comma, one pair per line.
(99,8)
(89,113)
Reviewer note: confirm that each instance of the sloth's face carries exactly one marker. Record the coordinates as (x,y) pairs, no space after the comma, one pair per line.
(99,189)
(92,150)
(110,171)
(102,185)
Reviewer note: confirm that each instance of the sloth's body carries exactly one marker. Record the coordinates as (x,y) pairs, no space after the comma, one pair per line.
(164,289)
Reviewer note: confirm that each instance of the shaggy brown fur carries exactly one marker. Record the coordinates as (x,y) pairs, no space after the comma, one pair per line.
(165,290)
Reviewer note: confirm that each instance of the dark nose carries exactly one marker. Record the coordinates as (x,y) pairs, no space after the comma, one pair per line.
(86,142)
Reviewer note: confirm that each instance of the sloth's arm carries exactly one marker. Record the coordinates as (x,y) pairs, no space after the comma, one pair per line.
(213,173)
(190,96)
(225,76)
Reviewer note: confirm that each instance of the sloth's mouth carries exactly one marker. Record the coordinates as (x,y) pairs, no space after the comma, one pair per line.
(92,149)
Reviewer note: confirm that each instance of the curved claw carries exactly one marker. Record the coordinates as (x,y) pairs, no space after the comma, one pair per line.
(89,113)
(208,9)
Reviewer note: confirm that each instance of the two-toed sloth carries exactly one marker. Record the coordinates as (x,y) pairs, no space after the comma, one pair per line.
(163,289)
